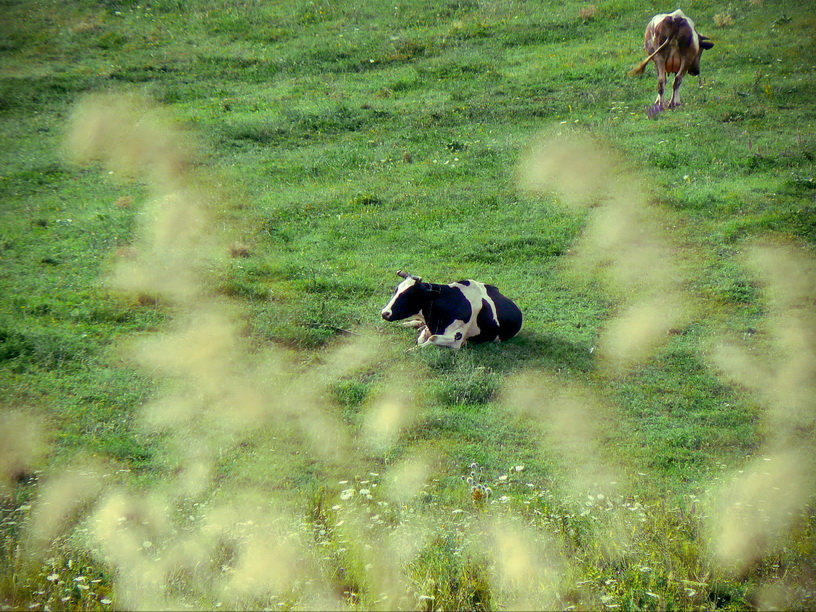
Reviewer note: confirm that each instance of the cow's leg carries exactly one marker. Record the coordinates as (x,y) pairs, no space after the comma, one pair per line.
(423,336)
(415,323)
(453,336)
(660,103)
(452,340)
(678,80)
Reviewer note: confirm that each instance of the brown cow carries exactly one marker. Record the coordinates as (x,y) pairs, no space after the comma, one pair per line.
(674,45)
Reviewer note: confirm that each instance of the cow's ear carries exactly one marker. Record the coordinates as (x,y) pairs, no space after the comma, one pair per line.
(705,43)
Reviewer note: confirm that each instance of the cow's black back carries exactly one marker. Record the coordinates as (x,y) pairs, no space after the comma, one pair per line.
(488,328)
(508,314)
(447,304)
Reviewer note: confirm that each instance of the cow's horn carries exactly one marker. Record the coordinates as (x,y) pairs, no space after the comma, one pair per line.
(406,275)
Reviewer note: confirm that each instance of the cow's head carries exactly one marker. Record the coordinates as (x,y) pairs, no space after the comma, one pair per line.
(705,43)
(408,299)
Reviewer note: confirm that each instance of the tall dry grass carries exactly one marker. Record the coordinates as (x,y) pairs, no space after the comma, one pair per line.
(755,513)
(770,499)
(624,246)
(214,533)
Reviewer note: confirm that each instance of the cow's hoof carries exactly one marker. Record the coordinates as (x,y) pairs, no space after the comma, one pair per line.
(653,111)
(674,105)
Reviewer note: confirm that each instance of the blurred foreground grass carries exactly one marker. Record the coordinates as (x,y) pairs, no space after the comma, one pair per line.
(223,421)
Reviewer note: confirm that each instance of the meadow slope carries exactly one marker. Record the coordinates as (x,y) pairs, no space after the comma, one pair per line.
(204,205)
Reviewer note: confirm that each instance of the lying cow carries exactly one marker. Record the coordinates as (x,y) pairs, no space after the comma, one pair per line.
(449,315)
(674,45)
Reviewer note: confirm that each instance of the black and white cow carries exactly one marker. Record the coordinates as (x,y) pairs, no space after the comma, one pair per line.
(449,315)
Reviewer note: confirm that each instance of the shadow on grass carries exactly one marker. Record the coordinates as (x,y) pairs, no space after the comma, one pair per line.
(548,351)
(528,350)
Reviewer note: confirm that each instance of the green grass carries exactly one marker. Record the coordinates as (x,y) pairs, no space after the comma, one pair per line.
(341,142)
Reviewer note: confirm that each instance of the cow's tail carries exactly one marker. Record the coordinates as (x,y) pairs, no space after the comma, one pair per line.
(642,66)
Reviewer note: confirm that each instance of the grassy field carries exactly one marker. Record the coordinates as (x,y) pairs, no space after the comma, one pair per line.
(204,205)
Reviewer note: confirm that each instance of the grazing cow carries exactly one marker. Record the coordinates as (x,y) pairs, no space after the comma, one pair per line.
(674,46)
(449,315)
